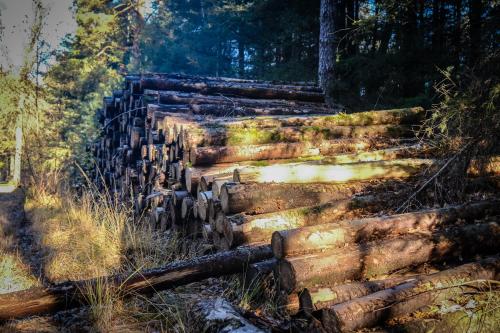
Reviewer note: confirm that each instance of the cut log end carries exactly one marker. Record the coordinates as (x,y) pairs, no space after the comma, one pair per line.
(277,244)
(286,276)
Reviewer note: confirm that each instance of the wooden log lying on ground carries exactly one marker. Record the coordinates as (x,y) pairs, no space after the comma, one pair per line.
(257,198)
(323,237)
(369,260)
(311,172)
(374,309)
(40,300)
(227,154)
(243,228)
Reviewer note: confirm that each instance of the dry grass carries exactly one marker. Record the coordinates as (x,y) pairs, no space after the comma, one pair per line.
(93,235)
(14,274)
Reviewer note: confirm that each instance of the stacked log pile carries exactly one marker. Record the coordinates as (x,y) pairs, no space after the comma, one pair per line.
(243,162)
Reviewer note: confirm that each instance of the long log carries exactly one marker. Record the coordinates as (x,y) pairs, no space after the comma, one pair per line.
(317,298)
(222,136)
(260,198)
(328,236)
(312,172)
(374,309)
(369,260)
(65,295)
(233,88)
(244,228)
(227,154)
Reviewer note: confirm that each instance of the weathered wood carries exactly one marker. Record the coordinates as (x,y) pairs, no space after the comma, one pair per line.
(374,309)
(203,201)
(312,172)
(237,89)
(222,136)
(260,198)
(321,297)
(334,235)
(227,154)
(258,271)
(40,300)
(369,260)
(243,228)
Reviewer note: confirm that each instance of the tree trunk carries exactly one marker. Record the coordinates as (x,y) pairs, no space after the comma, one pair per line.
(255,198)
(329,236)
(40,300)
(376,308)
(364,261)
(327,53)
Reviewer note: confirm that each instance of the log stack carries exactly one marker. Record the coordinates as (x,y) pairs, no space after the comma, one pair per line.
(245,162)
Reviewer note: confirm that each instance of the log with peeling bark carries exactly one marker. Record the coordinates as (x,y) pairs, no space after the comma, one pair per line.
(324,296)
(223,136)
(369,260)
(40,300)
(395,116)
(376,308)
(329,236)
(243,228)
(260,198)
(211,87)
(313,172)
(226,154)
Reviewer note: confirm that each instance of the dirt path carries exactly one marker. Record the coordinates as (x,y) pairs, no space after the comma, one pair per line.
(15,233)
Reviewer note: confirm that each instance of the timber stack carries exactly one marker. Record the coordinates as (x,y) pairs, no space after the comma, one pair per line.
(245,162)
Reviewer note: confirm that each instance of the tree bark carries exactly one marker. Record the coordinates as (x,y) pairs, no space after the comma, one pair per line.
(311,172)
(222,136)
(200,156)
(243,89)
(255,198)
(317,298)
(327,53)
(329,236)
(40,300)
(374,309)
(242,228)
(365,261)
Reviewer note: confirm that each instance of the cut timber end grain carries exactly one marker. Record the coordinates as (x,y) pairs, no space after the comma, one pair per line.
(374,309)
(311,172)
(260,198)
(363,261)
(203,201)
(290,242)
